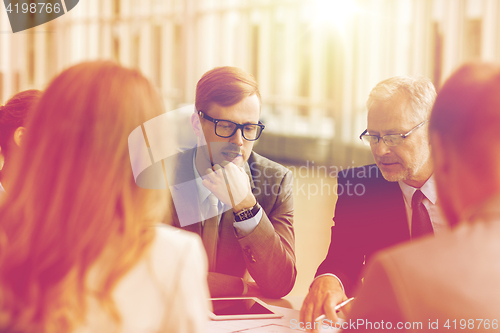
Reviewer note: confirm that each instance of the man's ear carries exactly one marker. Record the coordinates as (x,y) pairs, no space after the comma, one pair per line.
(196,124)
(18,135)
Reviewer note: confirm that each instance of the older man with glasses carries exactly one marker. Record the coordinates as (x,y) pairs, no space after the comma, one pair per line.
(395,200)
(239,202)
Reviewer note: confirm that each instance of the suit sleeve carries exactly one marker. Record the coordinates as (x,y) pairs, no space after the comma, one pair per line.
(345,256)
(269,250)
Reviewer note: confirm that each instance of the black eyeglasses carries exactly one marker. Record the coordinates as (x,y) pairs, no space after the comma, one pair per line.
(227,128)
(389,139)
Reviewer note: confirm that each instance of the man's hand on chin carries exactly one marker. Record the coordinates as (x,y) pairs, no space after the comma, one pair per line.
(231,185)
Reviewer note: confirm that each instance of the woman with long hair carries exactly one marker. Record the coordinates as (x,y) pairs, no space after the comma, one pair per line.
(80,250)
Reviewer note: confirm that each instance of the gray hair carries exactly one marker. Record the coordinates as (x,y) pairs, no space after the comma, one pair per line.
(419,90)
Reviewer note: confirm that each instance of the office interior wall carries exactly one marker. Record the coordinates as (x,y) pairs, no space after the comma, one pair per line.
(315,60)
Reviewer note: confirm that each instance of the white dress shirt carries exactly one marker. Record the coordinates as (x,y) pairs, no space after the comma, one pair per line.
(438,221)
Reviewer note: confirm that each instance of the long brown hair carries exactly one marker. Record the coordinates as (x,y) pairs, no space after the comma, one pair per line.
(73,201)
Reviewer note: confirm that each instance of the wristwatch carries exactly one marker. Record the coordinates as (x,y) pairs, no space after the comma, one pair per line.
(246,213)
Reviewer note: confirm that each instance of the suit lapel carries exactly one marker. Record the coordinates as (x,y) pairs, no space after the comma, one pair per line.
(257,192)
(180,174)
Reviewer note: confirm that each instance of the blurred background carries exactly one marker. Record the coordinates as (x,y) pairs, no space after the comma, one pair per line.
(315,61)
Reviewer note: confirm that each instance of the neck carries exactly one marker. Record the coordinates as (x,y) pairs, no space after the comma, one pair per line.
(417,183)
(424,173)
(473,196)
(201,161)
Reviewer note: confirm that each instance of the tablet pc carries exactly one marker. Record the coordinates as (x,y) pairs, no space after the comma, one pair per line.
(241,308)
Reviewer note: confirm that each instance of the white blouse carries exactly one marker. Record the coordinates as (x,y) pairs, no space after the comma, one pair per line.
(166,291)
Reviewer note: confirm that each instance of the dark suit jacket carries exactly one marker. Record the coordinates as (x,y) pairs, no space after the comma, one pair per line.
(369,215)
(267,253)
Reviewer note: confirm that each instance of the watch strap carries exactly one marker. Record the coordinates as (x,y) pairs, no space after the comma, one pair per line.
(247,213)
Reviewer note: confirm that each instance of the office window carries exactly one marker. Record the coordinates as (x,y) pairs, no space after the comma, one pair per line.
(254,51)
(135,50)
(278,52)
(50,55)
(116,8)
(304,60)
(116,48)
(178,64)
(30,36)
(473,32)
(157,54)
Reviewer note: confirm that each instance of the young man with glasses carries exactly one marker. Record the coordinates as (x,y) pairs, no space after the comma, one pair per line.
(398,201)
(240,203)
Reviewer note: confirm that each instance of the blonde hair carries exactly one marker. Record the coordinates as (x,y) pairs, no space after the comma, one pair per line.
(419,91)
(73,201)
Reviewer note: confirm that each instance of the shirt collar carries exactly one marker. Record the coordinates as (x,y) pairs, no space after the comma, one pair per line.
(203,192)
(428,189)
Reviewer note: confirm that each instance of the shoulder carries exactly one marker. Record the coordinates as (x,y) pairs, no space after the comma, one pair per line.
(261,163)
(425,261)
(367,179)
(366,173)
(173,247)
(464,242)
(452,265)
(170,239)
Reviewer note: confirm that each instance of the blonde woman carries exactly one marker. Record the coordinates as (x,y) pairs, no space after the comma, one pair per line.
(79,249)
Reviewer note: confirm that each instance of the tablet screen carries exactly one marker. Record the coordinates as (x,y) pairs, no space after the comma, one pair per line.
(228,307)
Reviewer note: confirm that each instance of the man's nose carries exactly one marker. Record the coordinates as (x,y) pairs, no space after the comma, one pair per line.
(237,138)
(380,148)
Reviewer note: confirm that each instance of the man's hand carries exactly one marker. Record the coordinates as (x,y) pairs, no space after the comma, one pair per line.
(325,293)
(228,181)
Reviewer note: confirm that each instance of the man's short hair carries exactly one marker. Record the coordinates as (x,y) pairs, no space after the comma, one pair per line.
(224,86)
(14,113)
(466,115)
(419,91)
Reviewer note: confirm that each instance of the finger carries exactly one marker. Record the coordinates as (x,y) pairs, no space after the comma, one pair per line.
(228,187)
(306,311)
(209,185)
(318,311)
(210,175)
(344,311)
(217,167)
(209,171)
(329,307)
